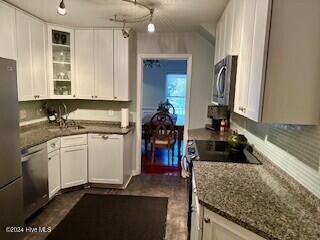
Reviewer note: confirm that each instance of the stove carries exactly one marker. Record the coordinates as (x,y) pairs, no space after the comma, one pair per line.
(220,151)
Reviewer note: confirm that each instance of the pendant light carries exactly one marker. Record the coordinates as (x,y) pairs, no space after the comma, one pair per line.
(151,27)
(62,9)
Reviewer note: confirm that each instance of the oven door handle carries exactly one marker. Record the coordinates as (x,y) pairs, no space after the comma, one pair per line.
(184,171)
(218,81)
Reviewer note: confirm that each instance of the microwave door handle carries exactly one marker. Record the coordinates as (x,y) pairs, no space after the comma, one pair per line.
(219,79)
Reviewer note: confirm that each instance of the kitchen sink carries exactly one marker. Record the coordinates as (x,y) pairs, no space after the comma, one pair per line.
(72,128)
(55,129)
(76,127)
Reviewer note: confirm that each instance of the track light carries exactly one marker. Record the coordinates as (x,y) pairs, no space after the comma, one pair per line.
(62,9)
(124,32)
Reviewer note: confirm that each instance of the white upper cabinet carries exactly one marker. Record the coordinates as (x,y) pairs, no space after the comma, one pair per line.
(103,68)
(244,60)
(292,84)
(278,72)
(24,66)
(121,67)
(94,64)
(39,60)
(237,13)
(61,63)
(228,31)
(84,55)
(259,46)
(7,32)
(251,63)
(31,58)
(102,65)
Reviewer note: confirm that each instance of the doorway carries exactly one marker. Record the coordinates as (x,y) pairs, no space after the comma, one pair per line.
(163,85)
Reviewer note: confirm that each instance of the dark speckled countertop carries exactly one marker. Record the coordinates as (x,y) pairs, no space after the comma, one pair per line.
(35,134)
(206,134)
(260,198)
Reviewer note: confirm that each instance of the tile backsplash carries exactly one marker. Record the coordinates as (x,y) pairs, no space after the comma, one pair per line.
(303,142)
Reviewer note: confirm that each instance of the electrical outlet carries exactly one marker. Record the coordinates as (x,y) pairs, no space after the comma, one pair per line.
(23,114)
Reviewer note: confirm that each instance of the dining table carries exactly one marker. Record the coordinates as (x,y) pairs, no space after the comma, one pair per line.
(179,129)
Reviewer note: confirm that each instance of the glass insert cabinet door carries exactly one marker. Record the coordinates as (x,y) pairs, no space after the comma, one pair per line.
(61,47)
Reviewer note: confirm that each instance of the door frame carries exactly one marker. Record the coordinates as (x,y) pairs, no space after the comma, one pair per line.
(141,57)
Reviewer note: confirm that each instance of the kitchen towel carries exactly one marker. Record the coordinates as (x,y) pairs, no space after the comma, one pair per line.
(124,117)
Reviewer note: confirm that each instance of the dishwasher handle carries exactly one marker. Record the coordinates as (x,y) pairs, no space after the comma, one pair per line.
(26,157)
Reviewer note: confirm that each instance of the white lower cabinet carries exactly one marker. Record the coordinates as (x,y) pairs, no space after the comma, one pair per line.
(105,158)
(216,227)
(73,165)
(196,215)
(54,181)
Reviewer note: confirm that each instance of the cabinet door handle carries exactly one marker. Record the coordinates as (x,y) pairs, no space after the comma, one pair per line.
(207,220)
(105,137)
(49,158)
(52,145)
(115,97)
(92,96)
(74,95)
(96,96)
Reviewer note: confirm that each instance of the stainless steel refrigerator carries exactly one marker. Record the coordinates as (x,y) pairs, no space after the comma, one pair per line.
(11,198)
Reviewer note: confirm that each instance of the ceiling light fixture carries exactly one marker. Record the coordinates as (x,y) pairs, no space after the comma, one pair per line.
(125,33)
(148,17)
(62,8)
(151,27)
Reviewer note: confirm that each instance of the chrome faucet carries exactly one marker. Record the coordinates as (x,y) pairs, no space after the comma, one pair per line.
(63,121)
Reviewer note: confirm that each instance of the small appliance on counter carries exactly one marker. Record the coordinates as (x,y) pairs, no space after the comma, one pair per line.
(217,114)
(52,114)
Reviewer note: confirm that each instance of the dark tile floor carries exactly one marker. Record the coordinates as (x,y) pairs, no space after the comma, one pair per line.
(145,185)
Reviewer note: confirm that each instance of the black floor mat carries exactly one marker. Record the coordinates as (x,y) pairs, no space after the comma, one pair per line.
(114,217)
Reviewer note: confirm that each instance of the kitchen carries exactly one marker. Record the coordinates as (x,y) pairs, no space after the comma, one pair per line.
(71,122)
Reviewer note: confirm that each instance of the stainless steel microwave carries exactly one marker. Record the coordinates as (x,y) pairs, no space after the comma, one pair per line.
(224,81)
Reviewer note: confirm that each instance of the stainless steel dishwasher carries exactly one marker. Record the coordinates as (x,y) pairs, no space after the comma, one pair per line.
(35,178)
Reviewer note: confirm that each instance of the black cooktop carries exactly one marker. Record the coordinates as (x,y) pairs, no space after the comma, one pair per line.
(220,151)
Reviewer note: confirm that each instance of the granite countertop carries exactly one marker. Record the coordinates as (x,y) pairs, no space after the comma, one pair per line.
(260,198)
(35,134)
(206,134)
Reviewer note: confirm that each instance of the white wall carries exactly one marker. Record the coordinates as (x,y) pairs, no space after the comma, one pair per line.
(154,81)
(202,65)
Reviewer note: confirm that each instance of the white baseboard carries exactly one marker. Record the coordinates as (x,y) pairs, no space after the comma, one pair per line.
(301,172)
(135,172)
(127,183)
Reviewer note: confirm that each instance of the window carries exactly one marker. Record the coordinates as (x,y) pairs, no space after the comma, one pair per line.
(176,94)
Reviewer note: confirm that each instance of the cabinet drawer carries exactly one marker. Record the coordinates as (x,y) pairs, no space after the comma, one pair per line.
(53,145)
(75,140)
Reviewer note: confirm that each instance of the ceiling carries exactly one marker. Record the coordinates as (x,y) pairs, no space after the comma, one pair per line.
(170,15)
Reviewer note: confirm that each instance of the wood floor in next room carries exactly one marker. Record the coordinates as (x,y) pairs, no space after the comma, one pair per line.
(161,165)
(173,187)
